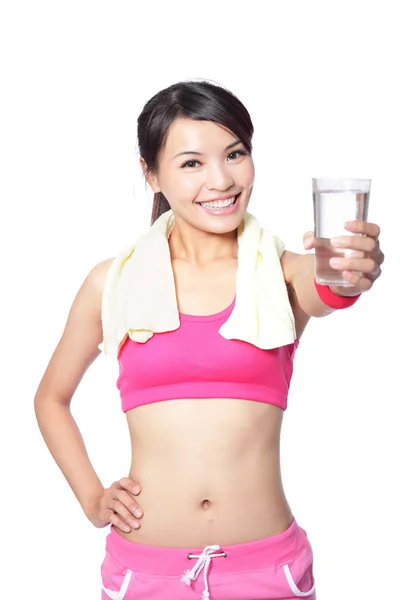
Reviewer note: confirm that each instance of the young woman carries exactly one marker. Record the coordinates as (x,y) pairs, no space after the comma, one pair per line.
(205,391)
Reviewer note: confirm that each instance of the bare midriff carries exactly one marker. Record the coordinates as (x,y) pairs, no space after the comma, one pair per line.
(209,470)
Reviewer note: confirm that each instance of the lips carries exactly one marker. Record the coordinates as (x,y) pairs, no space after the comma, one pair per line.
(220,198)
(219,203)
(220,207)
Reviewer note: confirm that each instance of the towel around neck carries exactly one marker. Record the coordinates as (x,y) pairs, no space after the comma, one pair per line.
(139,297)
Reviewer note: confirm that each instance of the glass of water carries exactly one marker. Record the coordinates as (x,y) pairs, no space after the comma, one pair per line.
(336,200)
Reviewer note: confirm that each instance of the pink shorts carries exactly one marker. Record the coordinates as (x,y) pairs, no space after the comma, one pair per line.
(277,567)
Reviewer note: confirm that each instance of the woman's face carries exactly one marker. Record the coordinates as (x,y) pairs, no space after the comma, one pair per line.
(206,174)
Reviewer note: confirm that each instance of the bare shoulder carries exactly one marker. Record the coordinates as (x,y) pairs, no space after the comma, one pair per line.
(89,296)
(98,274)
(78,345)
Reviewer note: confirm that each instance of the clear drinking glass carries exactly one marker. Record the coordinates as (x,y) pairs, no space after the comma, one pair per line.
(336,200)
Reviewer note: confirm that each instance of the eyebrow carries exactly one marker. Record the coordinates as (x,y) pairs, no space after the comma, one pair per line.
(235,143)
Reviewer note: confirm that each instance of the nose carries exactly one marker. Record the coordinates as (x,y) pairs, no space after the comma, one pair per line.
(218,178)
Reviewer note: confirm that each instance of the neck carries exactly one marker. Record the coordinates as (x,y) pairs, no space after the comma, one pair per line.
(200,247)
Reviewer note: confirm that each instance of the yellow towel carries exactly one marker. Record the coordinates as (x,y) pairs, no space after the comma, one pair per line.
(139,297)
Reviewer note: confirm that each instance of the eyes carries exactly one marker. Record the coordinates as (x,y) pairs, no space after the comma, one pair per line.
(235,154)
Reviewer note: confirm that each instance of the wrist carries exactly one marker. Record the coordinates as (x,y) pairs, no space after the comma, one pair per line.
(91,505)
(333,300)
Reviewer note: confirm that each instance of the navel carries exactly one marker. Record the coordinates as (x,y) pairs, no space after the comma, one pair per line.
(206,504)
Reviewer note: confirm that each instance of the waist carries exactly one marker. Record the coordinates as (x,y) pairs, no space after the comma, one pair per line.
(207,477)
(175,524)
(207,468)
(269,552)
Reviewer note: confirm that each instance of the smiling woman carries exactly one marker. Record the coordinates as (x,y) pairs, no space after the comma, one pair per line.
(219,182)
(204,314)
(212,129)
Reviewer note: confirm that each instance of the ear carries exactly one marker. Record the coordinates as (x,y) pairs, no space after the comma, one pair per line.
(151,178)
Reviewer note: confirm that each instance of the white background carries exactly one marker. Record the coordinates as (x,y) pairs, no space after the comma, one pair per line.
(320,80)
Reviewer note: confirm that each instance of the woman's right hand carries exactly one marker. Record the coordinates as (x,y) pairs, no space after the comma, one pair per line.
(117,506)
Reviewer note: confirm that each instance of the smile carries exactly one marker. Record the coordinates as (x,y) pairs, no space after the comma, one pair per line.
(220,205)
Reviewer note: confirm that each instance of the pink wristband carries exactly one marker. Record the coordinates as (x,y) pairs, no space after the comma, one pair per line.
(331,299)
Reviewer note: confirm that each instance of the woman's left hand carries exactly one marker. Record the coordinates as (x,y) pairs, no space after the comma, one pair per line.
(368,262)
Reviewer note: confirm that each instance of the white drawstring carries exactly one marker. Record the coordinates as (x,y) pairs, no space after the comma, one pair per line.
(204,560)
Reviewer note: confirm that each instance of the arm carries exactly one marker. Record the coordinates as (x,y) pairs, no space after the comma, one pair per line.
(299,269)
(75,352)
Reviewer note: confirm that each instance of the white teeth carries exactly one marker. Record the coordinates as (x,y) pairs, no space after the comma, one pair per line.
(219,203)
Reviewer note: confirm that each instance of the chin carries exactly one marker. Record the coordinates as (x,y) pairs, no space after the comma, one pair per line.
(221,225)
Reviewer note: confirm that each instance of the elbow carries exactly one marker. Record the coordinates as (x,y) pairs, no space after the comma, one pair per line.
(44,402)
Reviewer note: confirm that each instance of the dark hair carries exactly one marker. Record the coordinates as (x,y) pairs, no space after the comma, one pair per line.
(197,100)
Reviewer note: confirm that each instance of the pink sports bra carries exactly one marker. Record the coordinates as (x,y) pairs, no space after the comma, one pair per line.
(195,361)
